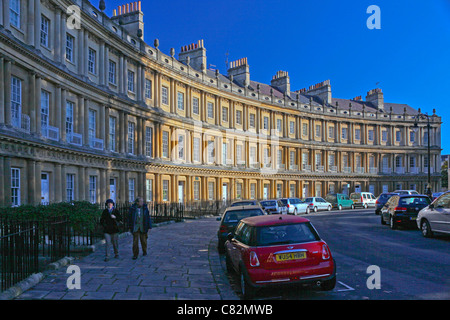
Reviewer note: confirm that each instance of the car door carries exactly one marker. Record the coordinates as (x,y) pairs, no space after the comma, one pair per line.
(385,211)
(234,251)
(439,217)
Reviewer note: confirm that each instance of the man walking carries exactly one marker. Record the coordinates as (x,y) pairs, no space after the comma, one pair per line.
(110,221)
(139,223)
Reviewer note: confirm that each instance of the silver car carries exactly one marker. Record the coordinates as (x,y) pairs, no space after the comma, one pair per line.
(436,217)
(317,203)
(295,205)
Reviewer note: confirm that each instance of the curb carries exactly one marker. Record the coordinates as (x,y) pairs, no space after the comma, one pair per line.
(34,279)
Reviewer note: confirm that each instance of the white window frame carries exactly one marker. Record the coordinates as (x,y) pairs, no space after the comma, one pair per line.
(112,72)
(70,40)
(93,189)
(14,13)
(92,61)
(165,144)
(130,77)
(45,27)
(165,95)
(16,102)
(15,187)
(112,134)
(149,142)
(70,183)
(130,139)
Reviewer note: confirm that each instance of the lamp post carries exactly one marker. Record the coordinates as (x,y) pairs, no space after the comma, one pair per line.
(422,116)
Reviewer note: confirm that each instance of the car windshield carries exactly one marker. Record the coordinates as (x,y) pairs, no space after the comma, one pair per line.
(268,203)
(286,234)
(284,201)
(414,201)
(237,215)
(385,197)
(355,196)
(243,203)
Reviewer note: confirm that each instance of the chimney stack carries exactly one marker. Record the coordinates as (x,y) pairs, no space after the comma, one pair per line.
(321,90)
(376,97)
(240,70)
(130,17)
(196,53)
(282,82)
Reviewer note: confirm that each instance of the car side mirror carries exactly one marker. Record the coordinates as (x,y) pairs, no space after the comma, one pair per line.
(431,206)
(230,236)
(218,219)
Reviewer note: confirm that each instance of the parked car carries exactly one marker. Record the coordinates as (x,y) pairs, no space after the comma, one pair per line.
(278,250)
(406,192)
(436,217)
(381,201)
(363,199)
(274,207)
(340,201)
(403,209)
(317,203)
(295,205)
(245,203)
(231,218)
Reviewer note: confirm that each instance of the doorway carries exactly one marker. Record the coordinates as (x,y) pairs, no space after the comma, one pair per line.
(45,192)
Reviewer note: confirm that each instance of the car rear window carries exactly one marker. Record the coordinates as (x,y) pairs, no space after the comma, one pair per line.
(237,215)
(286,234)
(355,196)
(243,203)
(385,197)
(309,200)
(268,203)
(284,201)
(414,201)
(331,198)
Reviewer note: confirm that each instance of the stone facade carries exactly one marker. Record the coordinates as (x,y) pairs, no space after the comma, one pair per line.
(93,112)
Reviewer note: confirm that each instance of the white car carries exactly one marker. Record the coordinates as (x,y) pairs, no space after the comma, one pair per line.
(406,192)
(363,199)
(436,217)
(295,205)
(317,203)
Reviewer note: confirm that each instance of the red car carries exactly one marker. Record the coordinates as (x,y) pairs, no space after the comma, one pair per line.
(279,249)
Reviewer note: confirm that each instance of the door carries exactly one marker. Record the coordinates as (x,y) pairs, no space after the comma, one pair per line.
(45,196)
(181,191)
(224,192)
(112,190)
(266,192)
(439,217)
(357,188)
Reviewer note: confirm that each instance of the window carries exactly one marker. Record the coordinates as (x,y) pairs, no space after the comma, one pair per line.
(112,72)
(331,132)
(384,135)
(92,126)
(70,183)
(148,89)
(92,57)
(224,114)
(239,152)
(291,127)
(195,106)
(210,110)
(44,31)
(93,189)
(344,133)
(148,141)
(252,120)
(149,190)
(412,136)
(45,104)
(165,144)
(224,153)
(305,129)
(318,128)
(131,189)
(180,101)
(211,151)
(197,149)
(398,136)
(266,123)
(69,120)
(15,187)
(291,158)
(130,81)
(358,134)
(210,190)
(253,191)
(112,134)
(252,155)
(69,47)
(16,101)
(14,13)
(279,126)
(196,190)
(238,190)
(131,137)
(180,147)
(164,95)
(371,135)
(165,190)
(238,117)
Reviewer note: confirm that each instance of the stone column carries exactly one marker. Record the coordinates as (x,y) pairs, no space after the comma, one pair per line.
(62,130)
(58,186)
(7,180)
(6,16)
(37,24)
(57,38)
(37,104)
(30,22)
(7,97)
(2,91)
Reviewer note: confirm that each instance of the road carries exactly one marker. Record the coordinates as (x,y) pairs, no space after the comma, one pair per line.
(411,266)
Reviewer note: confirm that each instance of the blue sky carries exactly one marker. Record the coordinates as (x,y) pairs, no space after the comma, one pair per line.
(318,40)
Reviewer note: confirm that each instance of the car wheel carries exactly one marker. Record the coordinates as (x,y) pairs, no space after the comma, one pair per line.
(315,209)
(340,207)
(392,223)
(295,211)
(308,210)
(426,229)
(365,206)
(247,290)
(382,220)
(353,206)
(328,285)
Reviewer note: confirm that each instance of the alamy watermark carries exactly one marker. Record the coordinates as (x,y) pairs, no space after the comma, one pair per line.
(374,21)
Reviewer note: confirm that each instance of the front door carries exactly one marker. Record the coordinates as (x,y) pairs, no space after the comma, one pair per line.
(181,191)
(266,192)
(224,192)
(112,189)
(45,196)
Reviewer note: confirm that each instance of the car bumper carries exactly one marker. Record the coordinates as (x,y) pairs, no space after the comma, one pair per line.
(262,278)
(405,219)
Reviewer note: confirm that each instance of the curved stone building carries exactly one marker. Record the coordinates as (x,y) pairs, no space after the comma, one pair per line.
(88,111)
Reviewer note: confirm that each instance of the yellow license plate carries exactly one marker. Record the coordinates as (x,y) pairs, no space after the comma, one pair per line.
(290,256)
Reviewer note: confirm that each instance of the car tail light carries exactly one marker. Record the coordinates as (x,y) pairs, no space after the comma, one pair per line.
(288,206)
(311,204)
(362,199)
(254,261)
(223,229)
(325,252)
(377,202)
(400,209)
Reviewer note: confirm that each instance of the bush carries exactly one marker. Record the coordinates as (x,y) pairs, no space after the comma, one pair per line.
(82,215)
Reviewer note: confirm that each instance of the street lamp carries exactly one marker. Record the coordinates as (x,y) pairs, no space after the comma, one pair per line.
(422,116)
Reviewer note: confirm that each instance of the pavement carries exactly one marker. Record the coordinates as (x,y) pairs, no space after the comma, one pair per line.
(182,264)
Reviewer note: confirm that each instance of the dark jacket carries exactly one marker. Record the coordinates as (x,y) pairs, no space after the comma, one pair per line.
(109,224)
(132,218)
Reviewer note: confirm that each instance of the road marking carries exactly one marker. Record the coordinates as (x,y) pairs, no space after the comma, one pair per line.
(348,288)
